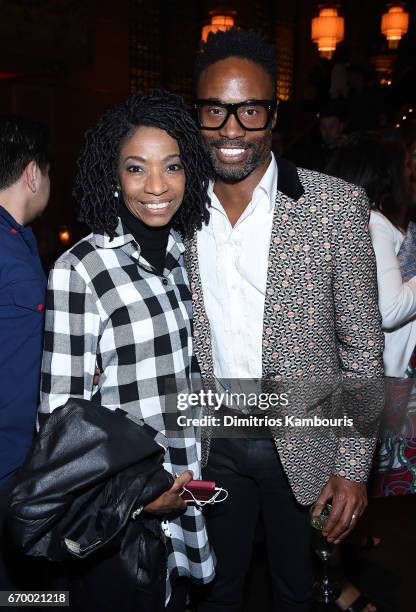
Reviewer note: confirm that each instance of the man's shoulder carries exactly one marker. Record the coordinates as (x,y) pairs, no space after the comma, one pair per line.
(8,242)
(15,264)
(332,193)
(315,183)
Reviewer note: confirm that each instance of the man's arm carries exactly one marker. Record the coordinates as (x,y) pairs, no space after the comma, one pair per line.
(360,347)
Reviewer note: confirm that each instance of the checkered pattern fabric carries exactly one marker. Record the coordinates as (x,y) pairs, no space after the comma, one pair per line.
(106,307)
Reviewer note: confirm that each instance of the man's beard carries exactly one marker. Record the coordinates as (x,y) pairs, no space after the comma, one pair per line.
(230,173)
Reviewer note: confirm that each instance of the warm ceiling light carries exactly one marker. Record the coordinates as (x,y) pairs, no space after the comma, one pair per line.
(327,30)
(219,22)
(394,24)
(65,235)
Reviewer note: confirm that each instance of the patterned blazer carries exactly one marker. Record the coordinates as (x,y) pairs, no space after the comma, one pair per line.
(321,321)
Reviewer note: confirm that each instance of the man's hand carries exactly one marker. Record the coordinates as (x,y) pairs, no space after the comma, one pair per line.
(171,501)
(349,500)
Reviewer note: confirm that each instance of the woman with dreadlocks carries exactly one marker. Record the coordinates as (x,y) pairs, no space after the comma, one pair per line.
(119,300)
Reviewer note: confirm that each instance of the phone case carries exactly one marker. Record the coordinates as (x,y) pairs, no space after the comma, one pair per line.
(202,490)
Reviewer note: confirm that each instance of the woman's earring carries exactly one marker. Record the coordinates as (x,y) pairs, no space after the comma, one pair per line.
(116,193)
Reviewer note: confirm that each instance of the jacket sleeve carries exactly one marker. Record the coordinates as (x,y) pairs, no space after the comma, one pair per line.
(72,325)
(397,299)
(76,484)
(359,337)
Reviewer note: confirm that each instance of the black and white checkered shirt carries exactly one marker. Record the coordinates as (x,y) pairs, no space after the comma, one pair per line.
(107,307)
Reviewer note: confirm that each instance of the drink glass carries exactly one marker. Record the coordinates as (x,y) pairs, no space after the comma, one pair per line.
(325,590)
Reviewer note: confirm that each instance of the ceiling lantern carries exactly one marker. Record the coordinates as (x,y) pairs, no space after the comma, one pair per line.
(327,30)
(394,24)
(219,21)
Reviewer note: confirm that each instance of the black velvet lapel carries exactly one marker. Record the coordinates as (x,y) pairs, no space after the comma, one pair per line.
(288,181)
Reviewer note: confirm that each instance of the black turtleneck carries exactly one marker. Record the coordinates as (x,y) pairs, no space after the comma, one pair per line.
(152,240)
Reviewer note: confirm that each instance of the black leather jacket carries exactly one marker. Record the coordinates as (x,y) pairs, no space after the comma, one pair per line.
(89,470)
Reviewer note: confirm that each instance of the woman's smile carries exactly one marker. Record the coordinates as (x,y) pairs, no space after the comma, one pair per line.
(151,176)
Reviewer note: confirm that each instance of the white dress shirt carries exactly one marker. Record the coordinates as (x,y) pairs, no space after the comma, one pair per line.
(397,300)
(233,268)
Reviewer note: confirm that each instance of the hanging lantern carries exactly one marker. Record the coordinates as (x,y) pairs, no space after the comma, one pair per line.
(220,21)
(327,30)
(394,24)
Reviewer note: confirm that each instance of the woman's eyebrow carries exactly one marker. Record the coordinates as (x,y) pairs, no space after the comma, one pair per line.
(142,159)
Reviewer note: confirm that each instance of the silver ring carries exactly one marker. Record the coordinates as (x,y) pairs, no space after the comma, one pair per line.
(354,517)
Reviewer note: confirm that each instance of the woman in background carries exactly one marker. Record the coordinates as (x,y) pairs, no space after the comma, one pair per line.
(380,166)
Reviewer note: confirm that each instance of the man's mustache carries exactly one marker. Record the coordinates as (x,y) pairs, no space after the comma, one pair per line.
(223,143)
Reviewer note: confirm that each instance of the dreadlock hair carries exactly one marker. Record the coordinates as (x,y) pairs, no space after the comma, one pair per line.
(96,179)
(246,44)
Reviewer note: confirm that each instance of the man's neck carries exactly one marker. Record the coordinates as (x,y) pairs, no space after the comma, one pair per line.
(235,197)
(15,208)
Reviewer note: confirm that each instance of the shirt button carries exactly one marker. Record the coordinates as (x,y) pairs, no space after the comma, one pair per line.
(165,281)
(14,230)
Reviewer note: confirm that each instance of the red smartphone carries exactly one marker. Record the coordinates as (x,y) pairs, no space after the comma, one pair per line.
(202,490)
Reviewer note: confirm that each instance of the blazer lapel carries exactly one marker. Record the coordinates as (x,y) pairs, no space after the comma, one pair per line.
(286,254)
(201,328)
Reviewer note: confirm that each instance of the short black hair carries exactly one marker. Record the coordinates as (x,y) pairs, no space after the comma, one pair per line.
(21,141)
(96,180)
(246,44)
(333,109)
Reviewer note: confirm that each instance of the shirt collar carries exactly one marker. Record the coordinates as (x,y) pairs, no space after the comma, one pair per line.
(267,185)
(17,228)
(4,214)
(123,237)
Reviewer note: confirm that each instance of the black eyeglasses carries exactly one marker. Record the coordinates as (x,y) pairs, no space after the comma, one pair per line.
(252,115)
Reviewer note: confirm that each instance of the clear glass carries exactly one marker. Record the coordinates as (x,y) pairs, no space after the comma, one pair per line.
(325,590)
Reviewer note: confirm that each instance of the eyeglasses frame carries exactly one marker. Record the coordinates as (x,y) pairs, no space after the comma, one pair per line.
(269,105)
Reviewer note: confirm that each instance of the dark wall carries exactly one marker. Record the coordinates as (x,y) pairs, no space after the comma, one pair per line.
(68,90)
(66,62)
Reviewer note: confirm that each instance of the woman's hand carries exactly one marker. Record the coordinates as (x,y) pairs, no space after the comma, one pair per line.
(170,500)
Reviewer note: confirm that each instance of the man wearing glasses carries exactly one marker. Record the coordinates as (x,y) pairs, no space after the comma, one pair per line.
(283,284)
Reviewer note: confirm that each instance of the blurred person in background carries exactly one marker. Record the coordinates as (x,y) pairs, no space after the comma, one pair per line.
(409,138)
(380,166)
(24,194)
(331,131)
(331,127)
(317,148)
